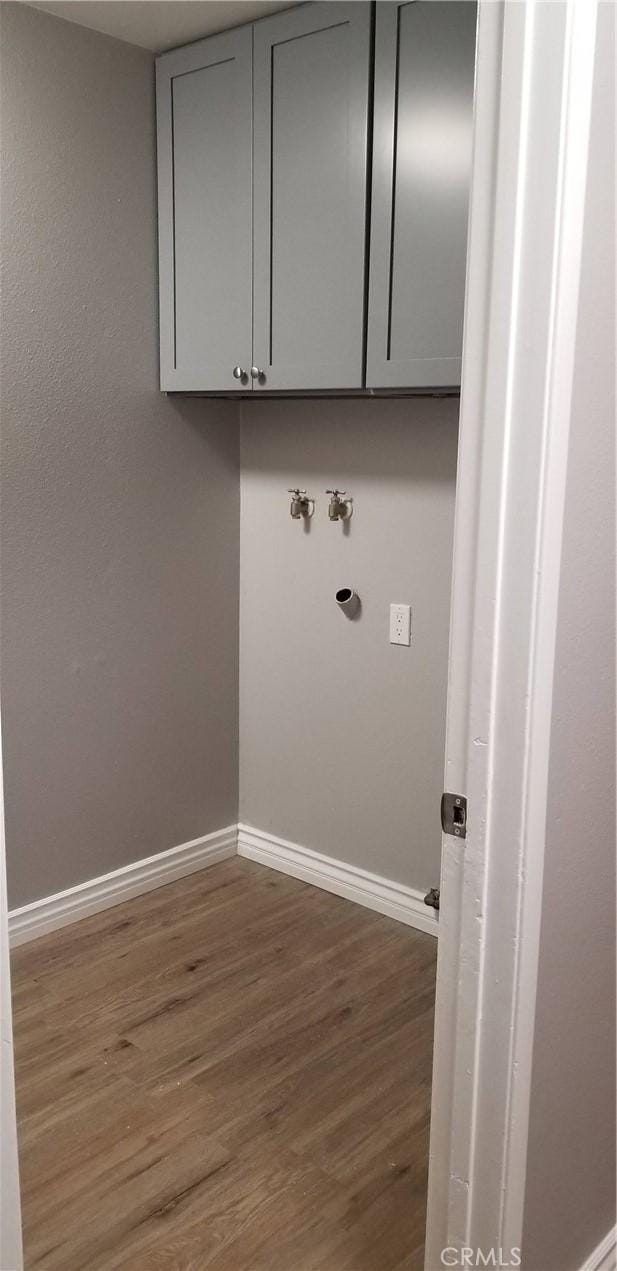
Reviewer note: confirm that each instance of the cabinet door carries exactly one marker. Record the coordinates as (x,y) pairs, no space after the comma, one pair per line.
(423,114)
(204,108)
(311,89)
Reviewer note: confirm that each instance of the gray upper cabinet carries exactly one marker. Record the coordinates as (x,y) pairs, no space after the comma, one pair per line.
(264,152)
(424,76)
(312,69)
(204,108)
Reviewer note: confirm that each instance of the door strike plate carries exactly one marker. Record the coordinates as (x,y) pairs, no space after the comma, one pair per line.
(454,815)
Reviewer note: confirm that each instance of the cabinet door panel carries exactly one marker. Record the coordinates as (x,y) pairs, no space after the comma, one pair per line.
(424,73)
(311,90)
(204,95)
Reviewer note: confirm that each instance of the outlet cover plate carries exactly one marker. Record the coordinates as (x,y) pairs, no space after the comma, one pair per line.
(400,624)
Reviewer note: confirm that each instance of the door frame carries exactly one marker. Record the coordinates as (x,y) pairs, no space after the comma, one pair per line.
(533,98)
(10,1201)
(534,75)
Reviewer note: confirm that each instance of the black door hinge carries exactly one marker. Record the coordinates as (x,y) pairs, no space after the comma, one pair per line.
(454,815)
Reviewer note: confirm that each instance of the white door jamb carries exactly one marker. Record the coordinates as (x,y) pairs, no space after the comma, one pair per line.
(533,102)
(10,1207)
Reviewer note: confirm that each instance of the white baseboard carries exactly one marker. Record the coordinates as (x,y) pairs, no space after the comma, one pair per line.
(604,1257)
(43,916)
(405,904)
(393,899)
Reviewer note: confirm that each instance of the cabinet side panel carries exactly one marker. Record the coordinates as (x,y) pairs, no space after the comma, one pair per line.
(167,336)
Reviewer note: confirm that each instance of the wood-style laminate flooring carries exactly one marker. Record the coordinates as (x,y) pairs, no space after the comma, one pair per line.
(231,1073)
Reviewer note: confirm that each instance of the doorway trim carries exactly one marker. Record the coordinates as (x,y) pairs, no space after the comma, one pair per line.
(10,1200)
(534,78)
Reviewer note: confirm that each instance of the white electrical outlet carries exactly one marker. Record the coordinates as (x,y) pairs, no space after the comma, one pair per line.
(400,624)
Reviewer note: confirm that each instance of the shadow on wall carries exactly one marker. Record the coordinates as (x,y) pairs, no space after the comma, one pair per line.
(212,420)
(379,439)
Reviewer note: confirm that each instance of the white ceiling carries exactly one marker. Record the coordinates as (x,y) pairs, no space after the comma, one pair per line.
(160,24)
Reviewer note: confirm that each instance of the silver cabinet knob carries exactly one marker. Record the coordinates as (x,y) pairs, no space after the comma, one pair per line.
(239,372)
(256,372)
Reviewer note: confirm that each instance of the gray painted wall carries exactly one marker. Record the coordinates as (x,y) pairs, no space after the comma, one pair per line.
(119,507)
(342,734)
(570,1201)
